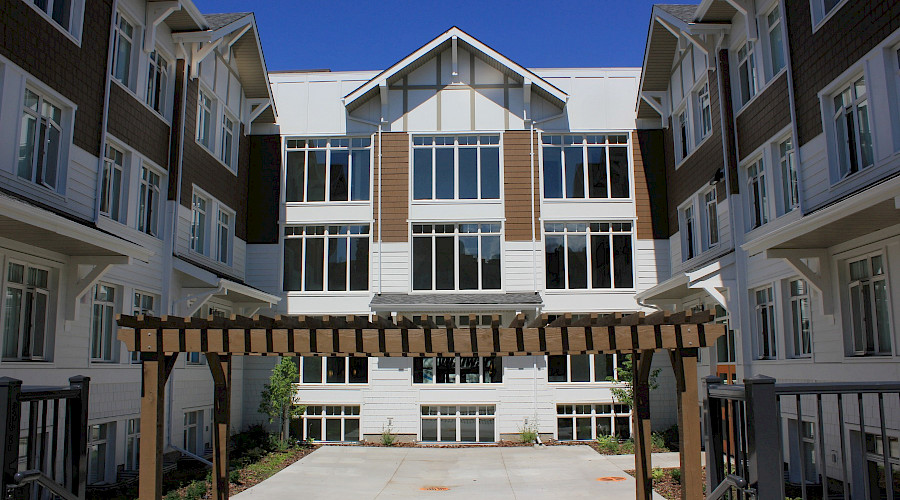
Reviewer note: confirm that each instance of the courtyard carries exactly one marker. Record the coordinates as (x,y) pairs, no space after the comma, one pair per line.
(489,472)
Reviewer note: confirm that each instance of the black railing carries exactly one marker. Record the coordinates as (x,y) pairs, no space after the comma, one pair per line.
(47,457)
(811,440)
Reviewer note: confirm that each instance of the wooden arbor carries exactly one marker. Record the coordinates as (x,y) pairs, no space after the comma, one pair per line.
(160,340)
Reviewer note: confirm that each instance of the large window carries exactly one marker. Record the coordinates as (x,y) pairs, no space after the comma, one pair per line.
(123,47)
(334,370)
(870,306)
(711,219)
(704,112)
(877,454)
(206,110)
(103,322)
(801,318)
(111,183)
(756,190)
(192,431)
(584,367)
(333,258)
(223,236)
(98,452)
(458,370)
(132,443)
(775,39)
(764,303)
(852,129)
(157,81)
(148,201)
(587,422)
(606,158)
(62,12)
(822,8)
(25,311)
(465,423)
(331,423)
(789,183)
(746,67)
(328,169)
(456,168)
(684,140)
(688,244)
(228,147)
(199,207)
(456,257)
(40,140)
(583,255)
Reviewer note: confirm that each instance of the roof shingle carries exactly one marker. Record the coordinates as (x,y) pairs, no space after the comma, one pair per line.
(684,12)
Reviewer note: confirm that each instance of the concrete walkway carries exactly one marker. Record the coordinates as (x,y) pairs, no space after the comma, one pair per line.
(361,473)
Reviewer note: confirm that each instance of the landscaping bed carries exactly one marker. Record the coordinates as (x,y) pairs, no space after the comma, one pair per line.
(667,482)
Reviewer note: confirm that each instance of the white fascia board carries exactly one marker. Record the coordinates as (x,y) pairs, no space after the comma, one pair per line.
(212,35)
(253,294)
(672,283)
(448,35)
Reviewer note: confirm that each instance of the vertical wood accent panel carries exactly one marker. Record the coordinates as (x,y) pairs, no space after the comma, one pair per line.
(517,191)
(650,197)
(395,167)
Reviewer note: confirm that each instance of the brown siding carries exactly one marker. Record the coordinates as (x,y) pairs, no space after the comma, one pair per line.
(517,186)
(140,128)
(766,115)
(648,152)
(202,169)
(395,195)
(702,164)
(79,73)
(264,189)
(818,58)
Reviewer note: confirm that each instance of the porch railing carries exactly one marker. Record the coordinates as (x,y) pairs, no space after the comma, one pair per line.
(771,440)
(50,459)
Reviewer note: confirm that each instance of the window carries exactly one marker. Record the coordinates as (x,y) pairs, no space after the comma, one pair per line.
(456,257)
(775,40)
(584,368)
(148,202)
(227,154)
(343,370)
(458,370)
(587,422)
(456,168)
(801,318)
(223,236)
(198,224)
(111,195)
(688,242)
(593,255)
(607,172)
(704,123)
(103,322)
(98,451)
(62,12)
(132,443)
(328,169)
(765,322)
(205,112)
(192,431)
(823,8)
(876,453)
(746,72)
(333,258)
(451,423)
(789,184)
(25,312)
(143,303)
(756,190)
(711,216)
(157,81)
(852,129)
(870,306)
(331,423)
(40,140)
(122,50)
(725,345)
(808,451)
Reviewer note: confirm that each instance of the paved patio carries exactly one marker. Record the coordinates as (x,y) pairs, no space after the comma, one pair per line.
(359,473)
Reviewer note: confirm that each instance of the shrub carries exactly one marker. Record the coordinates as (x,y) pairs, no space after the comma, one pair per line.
(675,474)
(657,474)
(528,434)
(608,445)
(172,495)
(195,491)
(657,442)
(234,477)
(627,447)
(388,438)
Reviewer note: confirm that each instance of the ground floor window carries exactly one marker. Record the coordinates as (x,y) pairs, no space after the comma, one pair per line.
(98,450)
(458,370)
(469,423)
(331,423)
(875,472)
(132,443)
(586,422)
(192,428)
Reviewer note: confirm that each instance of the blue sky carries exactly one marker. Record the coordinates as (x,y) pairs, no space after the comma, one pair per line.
(371,35)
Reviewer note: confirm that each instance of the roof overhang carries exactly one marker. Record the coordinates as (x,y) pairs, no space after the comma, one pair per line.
(33,225)
(875,208)
(717,10)
(186,17)
(409,63)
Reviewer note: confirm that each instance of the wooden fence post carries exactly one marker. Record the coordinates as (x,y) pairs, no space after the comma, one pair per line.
(155,370)
(220,367)
(684,362)
(641,416)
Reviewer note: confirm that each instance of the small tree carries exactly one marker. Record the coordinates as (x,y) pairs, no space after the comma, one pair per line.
(625,371)
(278,395)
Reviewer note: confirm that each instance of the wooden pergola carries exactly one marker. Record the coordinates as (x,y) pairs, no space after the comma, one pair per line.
(160,340)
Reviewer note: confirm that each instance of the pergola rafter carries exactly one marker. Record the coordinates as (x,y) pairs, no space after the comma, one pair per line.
(161,339)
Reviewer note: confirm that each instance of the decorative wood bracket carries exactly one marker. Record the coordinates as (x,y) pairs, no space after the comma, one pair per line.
(257,106)
(655,100)
(199,51)
(156,13)
(821,280)
(78,285)
(746,9)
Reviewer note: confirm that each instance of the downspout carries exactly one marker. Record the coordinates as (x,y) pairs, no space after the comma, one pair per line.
(533,238)
(101,154)
(378,126)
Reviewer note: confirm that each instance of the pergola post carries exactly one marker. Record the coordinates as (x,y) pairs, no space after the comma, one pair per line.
(220,367)
(684,362)
(155,370)
(641,416)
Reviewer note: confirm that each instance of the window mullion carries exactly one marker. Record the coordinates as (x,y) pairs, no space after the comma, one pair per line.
(433,176)
(584,168)
(303,196)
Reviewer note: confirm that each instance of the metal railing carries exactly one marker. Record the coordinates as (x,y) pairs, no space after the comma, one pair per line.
(50,460)
(802,440)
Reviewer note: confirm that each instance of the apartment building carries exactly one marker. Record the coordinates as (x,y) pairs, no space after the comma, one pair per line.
(458,186)
(124,191)
(781,123)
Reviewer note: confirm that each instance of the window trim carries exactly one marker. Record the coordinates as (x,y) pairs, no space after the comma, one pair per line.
(456,235)
(797,302)
(49,321)
(76,20)
(364,232)
(753,220)
(769,72)
(135,54)
(457,368)
(230,153)
(787,158)
(109,446)
(324,416)
(455,147)
(616,362)
(589,276)
(305,150)
(195,241)
(870,278)
(107,196)
(156,206)
(153,68)
(113,355)
(212,108)
(585,145)
(772,334)
(457,416)
(324,383)
(593,415)
(823,17)
(228,227)
(710,200)
(688,229)
(837,147)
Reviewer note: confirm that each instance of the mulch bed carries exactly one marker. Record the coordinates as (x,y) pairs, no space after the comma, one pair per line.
(604,450)
(668,487)
(496,444)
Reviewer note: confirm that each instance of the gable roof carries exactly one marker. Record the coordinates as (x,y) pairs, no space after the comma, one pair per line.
(409,63)
(682,12)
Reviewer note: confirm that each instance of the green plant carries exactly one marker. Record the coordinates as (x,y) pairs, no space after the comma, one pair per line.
(387,437)
(278,395)
(625,372)
(172,495)
(657,474)
(528,433)
(675,474)
(195,491)
(234,476)
(657,442)
(627,447)
(608,445)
